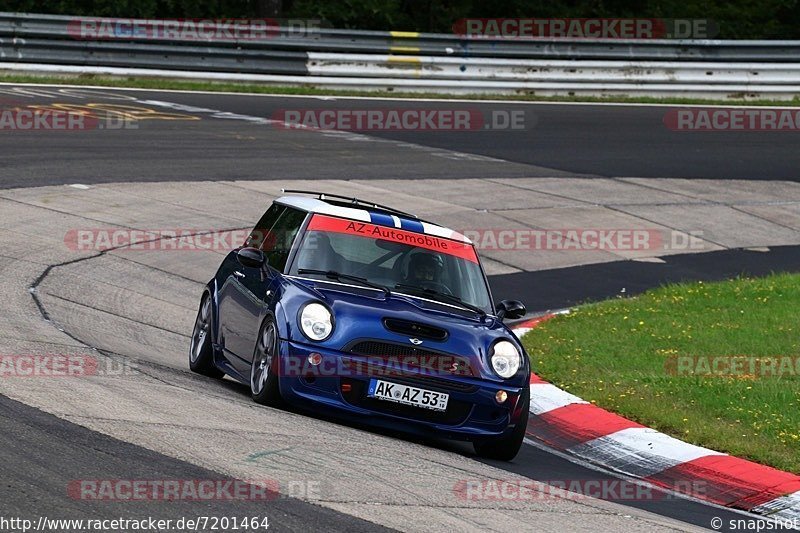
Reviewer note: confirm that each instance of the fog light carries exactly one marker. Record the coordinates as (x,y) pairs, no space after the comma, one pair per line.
(501,396)
(314,359)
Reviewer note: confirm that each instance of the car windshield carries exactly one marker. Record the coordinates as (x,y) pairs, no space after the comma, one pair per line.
(406,262)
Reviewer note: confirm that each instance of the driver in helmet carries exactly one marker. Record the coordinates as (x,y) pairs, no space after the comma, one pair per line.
(424,268)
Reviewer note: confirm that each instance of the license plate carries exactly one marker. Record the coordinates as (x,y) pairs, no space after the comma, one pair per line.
(394,392)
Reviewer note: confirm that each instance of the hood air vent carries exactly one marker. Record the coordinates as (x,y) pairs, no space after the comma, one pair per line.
(415,329)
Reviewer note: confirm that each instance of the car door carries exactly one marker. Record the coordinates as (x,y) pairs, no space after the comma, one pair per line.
(242,285)
(248,290)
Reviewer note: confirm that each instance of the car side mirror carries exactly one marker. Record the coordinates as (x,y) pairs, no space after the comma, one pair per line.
(512,309)
(251,257)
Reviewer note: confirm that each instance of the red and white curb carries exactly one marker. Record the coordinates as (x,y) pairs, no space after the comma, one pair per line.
(577,428)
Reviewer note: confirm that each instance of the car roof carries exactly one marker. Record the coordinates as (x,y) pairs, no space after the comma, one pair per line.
(381,218)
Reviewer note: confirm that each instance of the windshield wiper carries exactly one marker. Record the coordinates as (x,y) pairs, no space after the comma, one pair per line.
(443,296)
(332,274)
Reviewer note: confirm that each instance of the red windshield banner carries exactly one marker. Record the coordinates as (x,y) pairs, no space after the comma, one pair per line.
(372,231)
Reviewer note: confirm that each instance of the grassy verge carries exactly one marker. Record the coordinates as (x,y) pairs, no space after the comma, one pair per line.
(665,360)
(184,85)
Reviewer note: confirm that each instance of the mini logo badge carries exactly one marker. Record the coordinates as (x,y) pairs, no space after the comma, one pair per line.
(415,342)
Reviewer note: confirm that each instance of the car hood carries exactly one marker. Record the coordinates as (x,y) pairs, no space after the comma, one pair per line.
(360,314)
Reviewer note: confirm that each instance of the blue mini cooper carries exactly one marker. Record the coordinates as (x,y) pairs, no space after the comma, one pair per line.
(365,312)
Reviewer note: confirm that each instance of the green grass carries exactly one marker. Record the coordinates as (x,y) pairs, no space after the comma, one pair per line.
(309,90)
(620,355)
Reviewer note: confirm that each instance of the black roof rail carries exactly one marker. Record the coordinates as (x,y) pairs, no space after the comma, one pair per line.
(355,201)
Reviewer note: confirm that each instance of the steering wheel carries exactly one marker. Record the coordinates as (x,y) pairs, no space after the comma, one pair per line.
(436,286)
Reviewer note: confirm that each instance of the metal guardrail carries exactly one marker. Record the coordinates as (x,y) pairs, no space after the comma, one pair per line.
(430,62)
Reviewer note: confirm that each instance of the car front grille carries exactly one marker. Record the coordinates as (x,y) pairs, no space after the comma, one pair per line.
(390,349)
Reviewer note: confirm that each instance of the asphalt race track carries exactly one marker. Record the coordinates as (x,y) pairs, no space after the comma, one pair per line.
(560,288)
(591,140)
(211,162)
(30,436)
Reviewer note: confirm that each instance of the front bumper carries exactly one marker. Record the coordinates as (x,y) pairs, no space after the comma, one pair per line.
(472,412)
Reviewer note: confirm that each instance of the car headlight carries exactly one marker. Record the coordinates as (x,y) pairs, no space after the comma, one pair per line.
(505,359)
(316,321)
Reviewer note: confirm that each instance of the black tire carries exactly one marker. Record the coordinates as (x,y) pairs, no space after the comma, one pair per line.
(263,379)
(506,448)
(201,353)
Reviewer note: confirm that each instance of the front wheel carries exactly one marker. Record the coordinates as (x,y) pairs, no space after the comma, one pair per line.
(263,378)
(506,448)
(201,353)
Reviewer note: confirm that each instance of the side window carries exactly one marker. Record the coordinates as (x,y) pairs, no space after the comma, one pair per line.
(258,236)
(280,237)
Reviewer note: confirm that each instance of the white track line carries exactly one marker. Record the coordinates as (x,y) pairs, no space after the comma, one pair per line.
(395,99)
